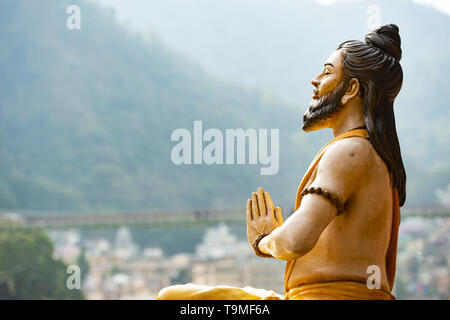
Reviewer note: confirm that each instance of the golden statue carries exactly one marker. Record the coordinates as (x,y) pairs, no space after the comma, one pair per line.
(347,212)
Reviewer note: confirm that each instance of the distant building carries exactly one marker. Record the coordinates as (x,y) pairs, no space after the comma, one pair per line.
(124,246)
(223,260)
(67,244)
(252,271)
(219,243)
(9,219)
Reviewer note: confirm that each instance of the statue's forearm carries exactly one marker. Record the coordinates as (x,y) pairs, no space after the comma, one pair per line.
(280,246)
(300,233)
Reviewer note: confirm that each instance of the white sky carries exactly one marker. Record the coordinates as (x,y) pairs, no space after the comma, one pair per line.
(442,5)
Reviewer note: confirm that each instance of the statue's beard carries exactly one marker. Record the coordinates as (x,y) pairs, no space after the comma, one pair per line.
(322,109)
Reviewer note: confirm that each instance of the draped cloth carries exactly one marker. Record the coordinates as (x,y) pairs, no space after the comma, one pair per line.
(336,290)
(192,291)
(392,248)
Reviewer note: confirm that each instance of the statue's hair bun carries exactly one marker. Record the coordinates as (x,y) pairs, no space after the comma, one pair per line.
(387,39)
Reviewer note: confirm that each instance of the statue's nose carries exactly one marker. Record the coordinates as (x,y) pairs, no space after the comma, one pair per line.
(315,82)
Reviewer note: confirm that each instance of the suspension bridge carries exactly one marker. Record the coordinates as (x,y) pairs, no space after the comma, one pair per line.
(11,219)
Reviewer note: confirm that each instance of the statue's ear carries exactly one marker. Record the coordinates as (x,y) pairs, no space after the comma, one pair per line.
(351,92)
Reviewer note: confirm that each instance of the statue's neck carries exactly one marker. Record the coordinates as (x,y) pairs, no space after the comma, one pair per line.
(350,118)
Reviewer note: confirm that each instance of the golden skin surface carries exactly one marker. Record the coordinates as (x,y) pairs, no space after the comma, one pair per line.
(327,247)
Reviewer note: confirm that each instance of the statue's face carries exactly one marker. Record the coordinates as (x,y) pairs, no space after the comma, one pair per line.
(327,93)
(330,77)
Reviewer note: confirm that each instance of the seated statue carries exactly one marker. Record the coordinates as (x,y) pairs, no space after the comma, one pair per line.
(347,210)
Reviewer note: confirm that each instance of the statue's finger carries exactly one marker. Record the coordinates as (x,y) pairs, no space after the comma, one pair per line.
(278,215)
(261,203)
(269,203)
(248,213)
(255,210)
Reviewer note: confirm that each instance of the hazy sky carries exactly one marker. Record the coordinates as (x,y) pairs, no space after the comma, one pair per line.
(261,30)
(126,12)
(442,5)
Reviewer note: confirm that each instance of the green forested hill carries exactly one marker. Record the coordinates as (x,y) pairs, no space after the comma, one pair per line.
(86,117)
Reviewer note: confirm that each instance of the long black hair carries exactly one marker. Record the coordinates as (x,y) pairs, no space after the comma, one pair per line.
(376,65)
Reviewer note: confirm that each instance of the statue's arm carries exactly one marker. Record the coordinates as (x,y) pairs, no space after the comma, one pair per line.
(340,171)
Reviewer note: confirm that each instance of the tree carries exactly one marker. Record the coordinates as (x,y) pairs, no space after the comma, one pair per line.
(28,270)
(83,263)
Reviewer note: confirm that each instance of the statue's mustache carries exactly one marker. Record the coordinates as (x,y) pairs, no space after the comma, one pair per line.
(317,104)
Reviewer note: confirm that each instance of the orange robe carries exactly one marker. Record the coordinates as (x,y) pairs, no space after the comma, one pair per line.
(390,256)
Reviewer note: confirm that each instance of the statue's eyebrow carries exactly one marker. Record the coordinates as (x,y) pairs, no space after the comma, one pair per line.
(328,64)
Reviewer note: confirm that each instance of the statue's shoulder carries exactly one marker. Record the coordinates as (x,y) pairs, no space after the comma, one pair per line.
(351,147)
(344,166)
(352,153)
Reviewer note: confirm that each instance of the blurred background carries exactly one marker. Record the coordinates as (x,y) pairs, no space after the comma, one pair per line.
(86,116)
